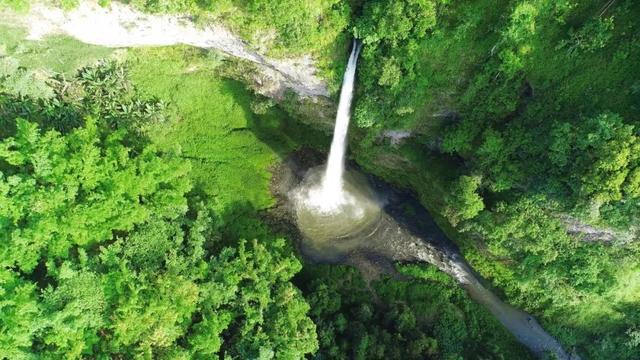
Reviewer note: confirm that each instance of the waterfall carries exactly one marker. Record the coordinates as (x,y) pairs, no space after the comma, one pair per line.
(332,189)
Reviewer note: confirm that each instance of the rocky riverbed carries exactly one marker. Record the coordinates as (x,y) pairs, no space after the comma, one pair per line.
(399,237)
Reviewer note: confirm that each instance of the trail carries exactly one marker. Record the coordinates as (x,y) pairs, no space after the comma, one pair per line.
(121,26)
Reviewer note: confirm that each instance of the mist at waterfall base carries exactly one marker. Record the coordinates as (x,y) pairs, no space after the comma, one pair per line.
(331,202)
(342,221)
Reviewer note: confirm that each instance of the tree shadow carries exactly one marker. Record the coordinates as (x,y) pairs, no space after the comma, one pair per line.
(273,126)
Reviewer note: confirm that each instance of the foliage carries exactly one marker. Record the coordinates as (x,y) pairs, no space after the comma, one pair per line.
(592,36)
(108,91)
(536,98)
(464,203)
(101,90)
(390,319)
(105,252)
(523,112)
(391,32)
(549,260)
(390,23)
(75,190)
(19,81)
(19,316)
(68,4)
(604,155)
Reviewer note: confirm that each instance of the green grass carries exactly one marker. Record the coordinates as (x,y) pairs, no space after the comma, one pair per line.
(21,6)
(56,54)
(231,148)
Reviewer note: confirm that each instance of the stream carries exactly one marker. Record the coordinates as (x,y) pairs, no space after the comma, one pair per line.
(392,236)
(380,237)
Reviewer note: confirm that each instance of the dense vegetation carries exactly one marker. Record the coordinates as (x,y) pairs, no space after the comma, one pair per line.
(530,110)
(426,317)
(107,250)
(155,202)
(524,145)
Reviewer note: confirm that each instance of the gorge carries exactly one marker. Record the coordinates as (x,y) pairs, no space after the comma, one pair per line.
(339,215)
(210,179)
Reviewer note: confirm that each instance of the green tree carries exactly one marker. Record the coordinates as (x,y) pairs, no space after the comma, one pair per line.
(599,157)
(608,151)
(60,192)
(73,313)
(251,286)
(464,202)
(544,260)
(427,317)
(20,315)
(104,252)
(392,22)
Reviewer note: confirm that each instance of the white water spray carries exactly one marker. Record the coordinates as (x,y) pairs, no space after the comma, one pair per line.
(332,181)
(330,196)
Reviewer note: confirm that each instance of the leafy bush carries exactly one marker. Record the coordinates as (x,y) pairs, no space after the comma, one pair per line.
(594,35)
(102,91)
(427,317)
(104,252)
(464,203)
(19,81)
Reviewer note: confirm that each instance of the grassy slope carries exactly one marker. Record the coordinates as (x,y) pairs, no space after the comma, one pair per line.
(57,54)
(231,148)
(212,127)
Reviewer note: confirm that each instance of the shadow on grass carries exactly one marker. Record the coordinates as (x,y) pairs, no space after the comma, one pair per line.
(276,128)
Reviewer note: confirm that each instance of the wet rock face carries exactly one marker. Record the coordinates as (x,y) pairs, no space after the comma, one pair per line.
(121,26)
(591,233)
(396,137)
(405,232)
(394,237)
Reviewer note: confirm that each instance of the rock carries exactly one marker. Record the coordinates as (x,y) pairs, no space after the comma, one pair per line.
(588,232)
(448,115)
(120,25)
(396,137)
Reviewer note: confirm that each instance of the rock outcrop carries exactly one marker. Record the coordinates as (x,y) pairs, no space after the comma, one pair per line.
(121,26)
(590,233)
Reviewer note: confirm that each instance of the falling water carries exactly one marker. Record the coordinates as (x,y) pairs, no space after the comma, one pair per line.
(332,188)
(341,218)
(332,203)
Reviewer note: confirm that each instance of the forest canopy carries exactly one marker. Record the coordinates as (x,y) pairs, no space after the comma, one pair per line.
(107,251)
(122,235)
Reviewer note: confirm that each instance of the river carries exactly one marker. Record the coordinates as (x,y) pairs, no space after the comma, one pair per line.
(396,237)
